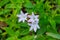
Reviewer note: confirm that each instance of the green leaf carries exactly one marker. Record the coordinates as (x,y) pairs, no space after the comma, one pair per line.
(17,33)
(24,31)
(27,37)
(0,31)
(50,29)
(28,5)
(16,1)
(9,31)
(5,11)
(53,35)
(58,2)
(24,24)
(40,37)
(53,24)
(49,38)
(3,2)
(11,5)
(12,38)
(43,25)
(42,30)
(57,19)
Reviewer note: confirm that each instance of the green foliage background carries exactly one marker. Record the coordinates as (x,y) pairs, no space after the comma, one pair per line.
(49,19)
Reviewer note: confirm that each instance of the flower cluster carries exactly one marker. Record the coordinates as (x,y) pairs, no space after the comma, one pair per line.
(33,20)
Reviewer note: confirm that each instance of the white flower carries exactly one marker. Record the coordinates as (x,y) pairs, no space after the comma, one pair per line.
(34,26)
(22,16)
(33,18)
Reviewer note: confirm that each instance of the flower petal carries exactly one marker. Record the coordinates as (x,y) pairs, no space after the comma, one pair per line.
(31,28)
(37,16)
(30,20)
(29,16)
(35,29)
(38,27)
(18,15)
(19,20)
(26,13)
